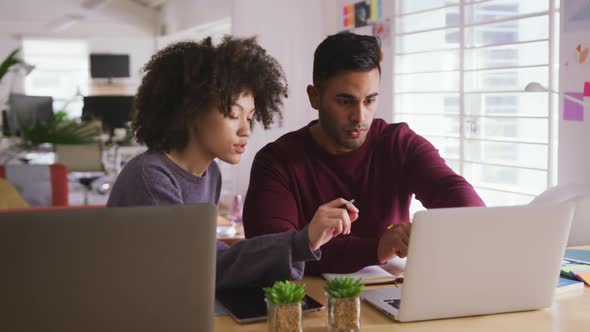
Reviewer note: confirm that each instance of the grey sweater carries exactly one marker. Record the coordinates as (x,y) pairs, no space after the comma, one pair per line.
(153,179)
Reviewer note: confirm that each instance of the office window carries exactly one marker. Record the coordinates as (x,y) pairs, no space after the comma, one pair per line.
(61,71)
(460,70)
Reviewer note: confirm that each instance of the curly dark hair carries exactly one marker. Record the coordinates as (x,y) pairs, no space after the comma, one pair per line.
(187,79)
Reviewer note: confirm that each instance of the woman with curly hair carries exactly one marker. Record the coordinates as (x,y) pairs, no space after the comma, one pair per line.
(197,102)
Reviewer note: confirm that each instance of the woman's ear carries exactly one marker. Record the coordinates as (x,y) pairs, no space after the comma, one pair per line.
(314,96)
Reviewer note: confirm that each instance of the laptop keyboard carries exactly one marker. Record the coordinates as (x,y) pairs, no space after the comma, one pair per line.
(393,302)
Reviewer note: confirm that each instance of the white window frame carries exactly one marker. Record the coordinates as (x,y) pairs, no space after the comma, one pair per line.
(551,165)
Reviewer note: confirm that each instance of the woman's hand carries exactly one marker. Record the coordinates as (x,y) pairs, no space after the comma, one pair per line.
(330,220)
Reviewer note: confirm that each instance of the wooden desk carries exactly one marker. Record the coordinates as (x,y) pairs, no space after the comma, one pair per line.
(569,312)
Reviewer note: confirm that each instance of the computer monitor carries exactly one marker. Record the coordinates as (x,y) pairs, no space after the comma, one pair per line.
(113,111)
(28,110)
(109,65)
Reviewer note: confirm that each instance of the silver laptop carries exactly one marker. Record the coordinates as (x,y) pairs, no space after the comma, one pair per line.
(108,269)
(476,261)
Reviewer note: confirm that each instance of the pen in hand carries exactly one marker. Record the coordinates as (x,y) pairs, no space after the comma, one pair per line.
(353,214)
(347,204)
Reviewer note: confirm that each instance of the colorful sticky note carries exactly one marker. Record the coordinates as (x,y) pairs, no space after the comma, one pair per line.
(586,89)
(583,276)
(347,10)
(348,16)
(575,267)
(348,21)
(375,9)
(573,111)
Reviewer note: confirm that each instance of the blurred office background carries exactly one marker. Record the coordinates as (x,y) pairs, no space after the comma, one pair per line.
(455,70)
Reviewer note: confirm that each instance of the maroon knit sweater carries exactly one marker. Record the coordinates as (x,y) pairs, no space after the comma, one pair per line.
(293,176)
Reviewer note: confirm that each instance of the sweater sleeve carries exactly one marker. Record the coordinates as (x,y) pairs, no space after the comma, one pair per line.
(264,259)
(434,183)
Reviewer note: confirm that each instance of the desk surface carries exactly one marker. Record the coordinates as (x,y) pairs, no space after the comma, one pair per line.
(569,312)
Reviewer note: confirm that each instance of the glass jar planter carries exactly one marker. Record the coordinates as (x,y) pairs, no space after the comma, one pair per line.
(284,317)
(344,314)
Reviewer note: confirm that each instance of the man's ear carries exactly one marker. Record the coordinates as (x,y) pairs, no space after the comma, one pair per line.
(314,96)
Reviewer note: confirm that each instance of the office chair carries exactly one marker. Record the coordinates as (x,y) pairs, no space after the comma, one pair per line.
(82,158)
(39,185)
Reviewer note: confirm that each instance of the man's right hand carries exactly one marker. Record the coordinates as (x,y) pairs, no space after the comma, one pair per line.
(394,242)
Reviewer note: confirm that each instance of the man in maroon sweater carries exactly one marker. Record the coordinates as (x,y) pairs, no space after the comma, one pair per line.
(347,153)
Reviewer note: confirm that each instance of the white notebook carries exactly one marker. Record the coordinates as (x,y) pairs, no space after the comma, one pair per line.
(391,272)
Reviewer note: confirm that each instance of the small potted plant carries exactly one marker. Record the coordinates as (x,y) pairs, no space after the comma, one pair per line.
(284,301)
(344,305)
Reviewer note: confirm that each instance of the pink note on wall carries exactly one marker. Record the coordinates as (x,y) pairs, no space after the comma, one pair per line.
(573,111)
(586,89)
(347,10)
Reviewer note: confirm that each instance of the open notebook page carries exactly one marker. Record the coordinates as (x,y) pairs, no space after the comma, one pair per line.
(374,274)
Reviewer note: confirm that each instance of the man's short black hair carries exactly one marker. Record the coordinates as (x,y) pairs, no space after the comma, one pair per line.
(345,51)
(187,79)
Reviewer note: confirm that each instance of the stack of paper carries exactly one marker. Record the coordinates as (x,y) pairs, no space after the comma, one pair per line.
(583,276)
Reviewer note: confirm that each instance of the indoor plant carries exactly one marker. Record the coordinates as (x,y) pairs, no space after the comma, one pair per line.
(5,66)
(284,306)
(10,61)
(58,130)
(344,306)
